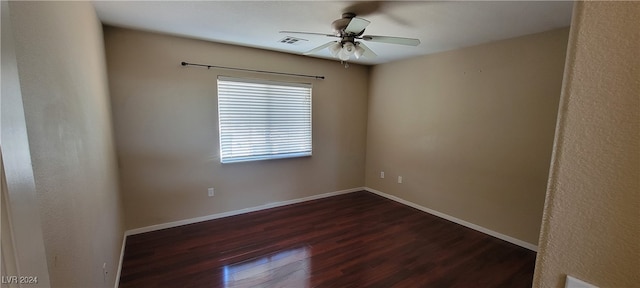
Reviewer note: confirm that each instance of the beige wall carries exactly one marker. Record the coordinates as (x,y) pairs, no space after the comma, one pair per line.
(62,71)
(591,226)
(21,226)
(470,130)
(165,120)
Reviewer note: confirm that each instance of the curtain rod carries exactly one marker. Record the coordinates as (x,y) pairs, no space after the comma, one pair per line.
(251,70)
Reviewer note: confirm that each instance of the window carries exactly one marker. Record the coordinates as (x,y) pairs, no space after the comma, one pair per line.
(262,120)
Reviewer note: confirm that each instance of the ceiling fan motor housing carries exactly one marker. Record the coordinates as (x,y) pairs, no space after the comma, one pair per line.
(342,23)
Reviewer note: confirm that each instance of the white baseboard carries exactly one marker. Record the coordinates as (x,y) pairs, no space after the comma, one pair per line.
(456,220)
(237,212)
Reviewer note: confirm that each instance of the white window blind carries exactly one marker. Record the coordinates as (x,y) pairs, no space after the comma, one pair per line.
(262,120)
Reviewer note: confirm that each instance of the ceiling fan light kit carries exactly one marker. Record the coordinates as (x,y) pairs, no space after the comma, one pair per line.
(347,50)
(335,49)
(349,29)
(359,52)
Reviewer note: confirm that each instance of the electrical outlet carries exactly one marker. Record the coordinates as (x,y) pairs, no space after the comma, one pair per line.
(211,192)
(381,174)
(399,179)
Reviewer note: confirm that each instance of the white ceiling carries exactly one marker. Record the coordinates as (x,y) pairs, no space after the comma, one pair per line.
(440,26)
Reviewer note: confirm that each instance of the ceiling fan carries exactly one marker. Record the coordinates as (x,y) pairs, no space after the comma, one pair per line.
(349,29)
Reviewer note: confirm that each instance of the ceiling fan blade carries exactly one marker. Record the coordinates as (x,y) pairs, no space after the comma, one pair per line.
(363,8)
(308,33)
(356,26)
(314,50)
(367,52)
(391,40)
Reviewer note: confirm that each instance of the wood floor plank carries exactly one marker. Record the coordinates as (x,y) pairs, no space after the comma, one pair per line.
(354,240)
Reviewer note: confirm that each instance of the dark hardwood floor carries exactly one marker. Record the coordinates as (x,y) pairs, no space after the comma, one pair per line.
(354,240)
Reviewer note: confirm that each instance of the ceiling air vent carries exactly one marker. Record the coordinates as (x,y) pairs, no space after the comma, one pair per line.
(291,40)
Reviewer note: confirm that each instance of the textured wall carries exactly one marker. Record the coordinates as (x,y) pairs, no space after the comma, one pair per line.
(60,55)
(166,127)
(470,130)
(23,239)
(591,227)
